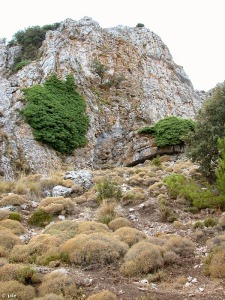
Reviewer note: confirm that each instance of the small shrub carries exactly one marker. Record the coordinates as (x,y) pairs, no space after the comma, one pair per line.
(22,64)
(134,196)
(22,292)
(38,248)
(12,199)
(8,240)
(4,214)
(181,246)
(166,213)
(94,248)
(27,275)
(129,235)
(13,225)
(40,218)
(143,257)
(158,276)
(198,224)
(103,295)
(218,242)
(210,222)
(98,68)
(55,205)
(119,223)
(106,212)
(156,161)
(60,284)
(108,189)
(67,229)
(215,264)
(140,25)
(15,216)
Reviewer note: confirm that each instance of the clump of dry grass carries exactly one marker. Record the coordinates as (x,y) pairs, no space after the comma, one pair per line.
(22,273)
(215,261)
(181,246)
(37,249)
(129,235)
(134,196)
(12,199)
(7,241)
(215,264)
(142,257)
(106,212)
(15,226)
(94,248)
(4,214)
(218,242)
(57,205)
(103,295)
(67,229)
(13,287)
(118,223)
(60,284)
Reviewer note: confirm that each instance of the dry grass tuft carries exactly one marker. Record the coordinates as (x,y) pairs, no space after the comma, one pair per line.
(7,241)
(68,229)
(12,199)
(181,246)
(37,249)
(215,264)
(57,205)
(15,226)
(4,214)
(136,195)
(106,212)
(22,292)
(60,284)
(22,273)
(103,295)
(94,248)
(143,257)
(129,235)
(119,222)
(217,242)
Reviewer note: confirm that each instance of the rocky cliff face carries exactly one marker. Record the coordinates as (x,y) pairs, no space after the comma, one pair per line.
(141,85)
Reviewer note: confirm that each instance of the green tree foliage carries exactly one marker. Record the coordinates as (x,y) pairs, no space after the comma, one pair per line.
(202,142)
(31,40)
(220,171)
(56,113)
(169,131)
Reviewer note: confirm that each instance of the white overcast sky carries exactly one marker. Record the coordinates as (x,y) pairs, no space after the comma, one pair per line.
(192,29)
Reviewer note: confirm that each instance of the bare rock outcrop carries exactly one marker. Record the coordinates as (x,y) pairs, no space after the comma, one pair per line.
(140,86)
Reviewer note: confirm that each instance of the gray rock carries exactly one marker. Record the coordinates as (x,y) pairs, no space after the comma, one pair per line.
(60,190)
(81,177)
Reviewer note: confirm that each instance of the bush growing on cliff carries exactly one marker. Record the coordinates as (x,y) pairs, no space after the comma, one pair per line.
(56,113)
(31,40)
(169,131)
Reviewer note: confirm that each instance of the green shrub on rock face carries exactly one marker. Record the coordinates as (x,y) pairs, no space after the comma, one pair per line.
(169,131)
(56,113)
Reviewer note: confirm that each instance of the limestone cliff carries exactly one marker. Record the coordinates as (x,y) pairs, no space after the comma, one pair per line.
(141,85)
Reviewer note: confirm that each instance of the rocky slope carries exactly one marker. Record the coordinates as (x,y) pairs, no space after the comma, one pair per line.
(141,218)
(142,84)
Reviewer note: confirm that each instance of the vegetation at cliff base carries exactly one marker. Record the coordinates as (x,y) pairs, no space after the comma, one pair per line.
(169,131)
(56,113)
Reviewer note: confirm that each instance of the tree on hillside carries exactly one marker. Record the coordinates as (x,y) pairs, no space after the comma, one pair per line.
(202,142)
